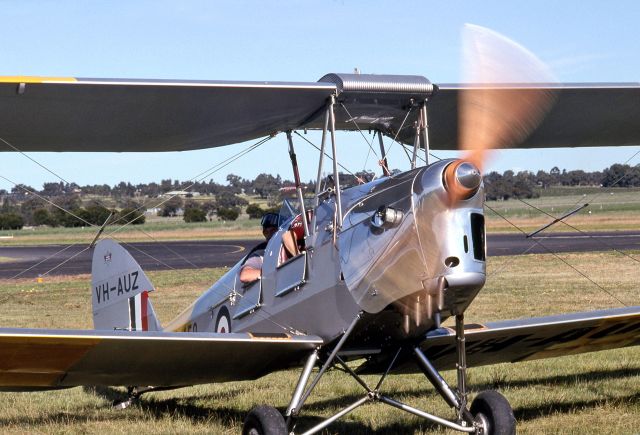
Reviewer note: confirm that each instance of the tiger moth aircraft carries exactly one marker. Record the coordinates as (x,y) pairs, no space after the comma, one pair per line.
(375,268)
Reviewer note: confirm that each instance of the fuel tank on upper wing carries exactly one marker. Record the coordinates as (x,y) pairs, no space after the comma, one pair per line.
(405,242)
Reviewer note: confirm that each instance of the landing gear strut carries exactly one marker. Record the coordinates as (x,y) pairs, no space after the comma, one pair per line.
(489,414)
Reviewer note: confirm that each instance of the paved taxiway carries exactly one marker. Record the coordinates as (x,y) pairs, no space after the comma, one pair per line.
(31,261)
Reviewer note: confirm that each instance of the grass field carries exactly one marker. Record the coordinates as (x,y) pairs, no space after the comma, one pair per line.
(592,393)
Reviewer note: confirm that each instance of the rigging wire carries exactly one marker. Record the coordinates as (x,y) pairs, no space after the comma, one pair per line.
(351,118)
(538,242)
(328,156)
(210,171)
(605,244)
(70,212)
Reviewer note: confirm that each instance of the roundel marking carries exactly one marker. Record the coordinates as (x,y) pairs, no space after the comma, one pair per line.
(223,321)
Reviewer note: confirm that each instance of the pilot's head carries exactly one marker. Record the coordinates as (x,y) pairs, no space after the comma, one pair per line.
(269,224)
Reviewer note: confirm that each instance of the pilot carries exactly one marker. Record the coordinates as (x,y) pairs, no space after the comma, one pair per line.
(252,267)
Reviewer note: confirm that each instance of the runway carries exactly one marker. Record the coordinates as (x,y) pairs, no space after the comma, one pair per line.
(32,261)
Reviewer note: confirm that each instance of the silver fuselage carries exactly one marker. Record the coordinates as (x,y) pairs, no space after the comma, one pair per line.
(394,273)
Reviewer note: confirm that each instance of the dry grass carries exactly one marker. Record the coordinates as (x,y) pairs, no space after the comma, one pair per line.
(597,222)
(591,393)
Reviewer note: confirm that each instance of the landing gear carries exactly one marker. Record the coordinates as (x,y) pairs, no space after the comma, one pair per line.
(489,414)
(491,410)
(264,420)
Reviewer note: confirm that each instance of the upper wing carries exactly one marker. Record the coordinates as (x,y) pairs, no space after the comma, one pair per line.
(69,114)
(584,115)
(528,339)
(49,358)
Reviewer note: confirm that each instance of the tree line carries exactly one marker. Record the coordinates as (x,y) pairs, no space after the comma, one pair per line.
(69,204)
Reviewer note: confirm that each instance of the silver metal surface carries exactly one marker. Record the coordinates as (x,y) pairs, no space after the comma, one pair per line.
(293,407)
(335,417)
(250,299)
(431,417)
(291,275)
(382,267)
(376,83)
(425,133)
(336,173)
(329,360)
(468,175)
(319,177)
(383,156)
(461,365)
(436,379)
(416,145)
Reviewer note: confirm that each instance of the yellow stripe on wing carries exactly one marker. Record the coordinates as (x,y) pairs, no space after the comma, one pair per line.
(36,79)
(40,361)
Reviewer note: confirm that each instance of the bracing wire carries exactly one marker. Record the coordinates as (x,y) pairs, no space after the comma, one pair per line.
(550,251)
(199,177)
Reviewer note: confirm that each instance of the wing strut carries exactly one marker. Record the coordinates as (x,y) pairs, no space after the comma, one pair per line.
(487,414)
(296,177)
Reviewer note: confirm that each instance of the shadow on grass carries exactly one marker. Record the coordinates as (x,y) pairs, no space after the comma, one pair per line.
(551,408)
(202,408)
(562,380)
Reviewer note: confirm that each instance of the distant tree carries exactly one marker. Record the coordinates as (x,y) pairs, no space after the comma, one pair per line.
(229,200)
(171,206)
(29,206)
(42,216)
(21,191)
(234,180)
(11,221)
(96,214)
(266,184)
(189,204)
(9,204)
(254,211)
(133,216)
(67,202)
(621,176)
(228,214)
(53,189)
(194,214)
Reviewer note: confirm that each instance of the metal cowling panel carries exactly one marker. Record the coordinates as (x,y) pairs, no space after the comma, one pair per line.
(373,83)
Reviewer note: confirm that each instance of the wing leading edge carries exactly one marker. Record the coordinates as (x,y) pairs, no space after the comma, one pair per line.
(34,358)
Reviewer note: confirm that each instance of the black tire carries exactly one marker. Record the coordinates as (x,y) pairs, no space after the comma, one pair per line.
(264,420)
(492,409)
(223,321)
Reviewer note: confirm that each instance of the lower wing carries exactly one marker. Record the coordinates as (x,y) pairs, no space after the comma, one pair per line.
(44,359)
(527,339)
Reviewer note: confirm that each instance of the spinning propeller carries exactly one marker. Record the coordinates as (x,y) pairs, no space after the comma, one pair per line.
(500,107)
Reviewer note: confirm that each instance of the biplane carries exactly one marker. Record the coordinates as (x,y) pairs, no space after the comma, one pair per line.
(375,269)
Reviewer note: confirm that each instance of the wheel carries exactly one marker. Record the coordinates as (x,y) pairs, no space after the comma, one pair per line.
(493,411)
(264,420)
(223,321)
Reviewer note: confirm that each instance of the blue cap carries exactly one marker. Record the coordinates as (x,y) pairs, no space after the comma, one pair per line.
(270,220)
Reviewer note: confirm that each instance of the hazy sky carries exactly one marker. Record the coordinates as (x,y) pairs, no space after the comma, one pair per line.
(582,41)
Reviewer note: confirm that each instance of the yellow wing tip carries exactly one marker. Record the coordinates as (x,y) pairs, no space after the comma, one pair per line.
(36,79)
